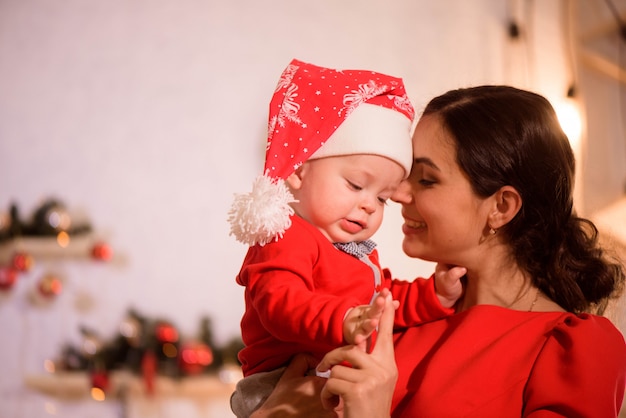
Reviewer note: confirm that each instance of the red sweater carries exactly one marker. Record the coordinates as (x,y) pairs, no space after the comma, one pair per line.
(298,290)
(494,362)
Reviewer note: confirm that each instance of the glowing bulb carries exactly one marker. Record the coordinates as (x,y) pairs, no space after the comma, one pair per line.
(170,350)
(98,394)
(63,239)
(569,117)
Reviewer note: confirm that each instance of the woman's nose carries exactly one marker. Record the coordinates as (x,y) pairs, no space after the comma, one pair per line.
(402,193)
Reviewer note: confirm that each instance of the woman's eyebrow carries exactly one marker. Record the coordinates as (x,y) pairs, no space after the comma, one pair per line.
(426,161)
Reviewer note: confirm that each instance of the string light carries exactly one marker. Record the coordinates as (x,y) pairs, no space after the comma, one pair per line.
(568,112)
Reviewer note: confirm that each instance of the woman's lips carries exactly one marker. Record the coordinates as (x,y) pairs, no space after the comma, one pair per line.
(411,227)
(414,224)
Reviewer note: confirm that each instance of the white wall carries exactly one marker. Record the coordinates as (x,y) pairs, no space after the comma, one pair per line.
(147,115)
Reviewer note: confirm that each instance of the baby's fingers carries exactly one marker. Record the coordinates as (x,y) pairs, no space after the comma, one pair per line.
(457,272)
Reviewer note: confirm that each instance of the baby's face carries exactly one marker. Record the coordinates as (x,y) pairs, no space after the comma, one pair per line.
(344,197)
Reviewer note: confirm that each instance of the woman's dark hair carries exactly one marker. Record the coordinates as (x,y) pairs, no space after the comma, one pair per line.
(507,136)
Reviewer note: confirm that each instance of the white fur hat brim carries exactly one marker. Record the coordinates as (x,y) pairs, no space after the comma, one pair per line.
(372,129)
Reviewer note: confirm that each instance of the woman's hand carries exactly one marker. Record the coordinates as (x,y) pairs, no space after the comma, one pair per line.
(296,394)
(366,388)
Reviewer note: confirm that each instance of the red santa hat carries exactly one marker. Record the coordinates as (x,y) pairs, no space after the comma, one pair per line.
(319,112)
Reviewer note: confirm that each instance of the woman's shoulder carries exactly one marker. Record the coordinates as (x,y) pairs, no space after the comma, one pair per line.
(581,368)
(587,324)
(588,330)
(584,326)
(561,328)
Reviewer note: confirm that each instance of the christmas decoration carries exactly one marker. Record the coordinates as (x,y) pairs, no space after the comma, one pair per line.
(22,261)
(195,357)
(100,380)
(165,332)
(131,327)
(147,348)
(50,218)
(51,233)
(206,337)
(50,286)
(91,342)
(101,251)
(149,370)
(8,276)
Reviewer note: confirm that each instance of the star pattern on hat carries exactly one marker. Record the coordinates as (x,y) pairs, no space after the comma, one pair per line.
(311,102)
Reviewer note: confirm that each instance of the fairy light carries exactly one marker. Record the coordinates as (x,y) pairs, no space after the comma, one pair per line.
(98,394)
(568,112)
(170,350)
(63,239)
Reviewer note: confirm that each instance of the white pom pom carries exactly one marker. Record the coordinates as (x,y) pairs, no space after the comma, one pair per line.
(262,215)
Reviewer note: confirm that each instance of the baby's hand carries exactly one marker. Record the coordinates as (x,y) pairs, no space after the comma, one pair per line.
(448,284)
(361,321)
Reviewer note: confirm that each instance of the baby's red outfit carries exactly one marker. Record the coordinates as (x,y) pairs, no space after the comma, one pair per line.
(298,290)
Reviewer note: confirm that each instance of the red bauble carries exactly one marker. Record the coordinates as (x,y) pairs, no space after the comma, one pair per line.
(22,261)
(8,276)
(50,286)
(194,357)
(100,380)
(101,251)
(165,333)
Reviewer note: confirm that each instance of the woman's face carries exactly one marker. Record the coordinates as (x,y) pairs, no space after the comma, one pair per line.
(444,220)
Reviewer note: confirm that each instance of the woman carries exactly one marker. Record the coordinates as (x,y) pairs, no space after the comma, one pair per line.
(491,189)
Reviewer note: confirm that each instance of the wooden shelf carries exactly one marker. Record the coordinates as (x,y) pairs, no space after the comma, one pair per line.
(47,248)
(76,385)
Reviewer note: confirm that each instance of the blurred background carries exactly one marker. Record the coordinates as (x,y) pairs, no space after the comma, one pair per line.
(127,126)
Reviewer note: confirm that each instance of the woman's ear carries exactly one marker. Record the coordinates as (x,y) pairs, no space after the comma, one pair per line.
(508,202)
(294,181)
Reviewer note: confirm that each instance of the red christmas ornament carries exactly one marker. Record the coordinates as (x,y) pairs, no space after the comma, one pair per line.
(194,357)
(8,276)
(100,380)
(149,370)
(50,286)
(101,251)
(165,333)
(22,261)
